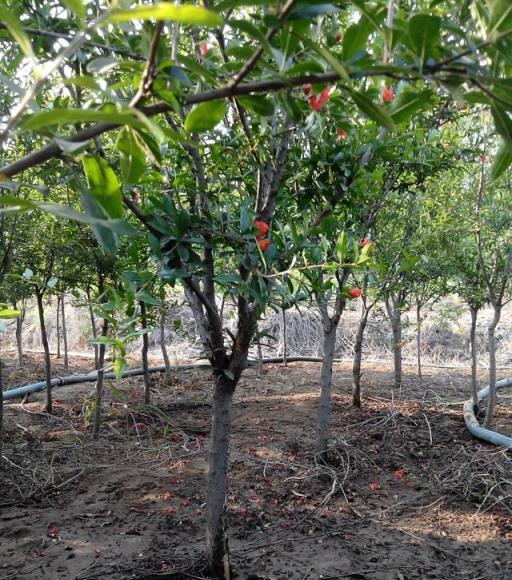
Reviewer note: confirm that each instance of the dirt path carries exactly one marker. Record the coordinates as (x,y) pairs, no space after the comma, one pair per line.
(409,494)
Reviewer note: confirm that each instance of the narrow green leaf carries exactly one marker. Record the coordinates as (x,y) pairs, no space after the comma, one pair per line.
(258,103)
(327,56)
(424,30)
(372,110)
(186,14)
(502,160)
(75,6)
(14,26)
(205,116)
(503,123)
(409,102)
(66,116)
(103,185)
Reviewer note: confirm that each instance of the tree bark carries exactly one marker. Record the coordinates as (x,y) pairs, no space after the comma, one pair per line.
(1,418)
(58,326)
(358,355)
(64,332)
(285,350)
(99,382)
(163,346)
(418,340)
(93,327)
(218,459)
(19,334)
(46,348)
(472,342)
(395,318)
(491,401)
(325,389)
(144,353)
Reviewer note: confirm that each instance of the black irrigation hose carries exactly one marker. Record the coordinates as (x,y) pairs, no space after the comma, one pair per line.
(91,377)
(469,414)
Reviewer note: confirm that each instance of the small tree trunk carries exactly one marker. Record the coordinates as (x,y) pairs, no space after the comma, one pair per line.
(93,327)
(1,418)
(472,342)
(58,327)
(46,348)
(418,340)
(163,347)
(145,349)
(324,412)
(358,355)
(19,335)
(397,350)
(64,333)
(285,351)
(218,458)
(489,415)
(99,382)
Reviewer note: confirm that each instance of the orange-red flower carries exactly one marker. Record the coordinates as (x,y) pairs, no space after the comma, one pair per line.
(317,102)
(364,243)
(354,293)
(203,48)
(307,88)
(263,244)
(338,37)
(262,228)
(341,133)
(386,94)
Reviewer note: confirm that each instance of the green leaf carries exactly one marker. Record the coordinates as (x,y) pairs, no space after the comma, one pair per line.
(253,32)
(145,297)
(75,6)
(372,110)
(327,56)
(424,30)
(186,14)
(66,116)
(502,160)
(257,103)
(409,102)
(355,38)
(501,17)
(14,26)
(103,185)
(341,247)
(205,116)
(133,156)
(503,123)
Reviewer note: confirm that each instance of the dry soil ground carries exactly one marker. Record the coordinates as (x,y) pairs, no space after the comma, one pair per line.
(408,493)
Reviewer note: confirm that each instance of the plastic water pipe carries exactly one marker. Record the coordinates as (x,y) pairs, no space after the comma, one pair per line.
(91,377)
(474,426)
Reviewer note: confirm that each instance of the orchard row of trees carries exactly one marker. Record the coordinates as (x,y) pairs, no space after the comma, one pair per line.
(270,153)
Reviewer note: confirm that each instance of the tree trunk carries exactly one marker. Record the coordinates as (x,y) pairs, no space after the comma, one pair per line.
(64,332)
(93,328)
(472,341)
(325,389)
(418,340)
(163,347)
(1,418)
(218,458)
(397,349)
(285,351)
(99,382)
(58,327)
(358,355)
(491,401)
(46,348)
(145,349)
(19,334)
